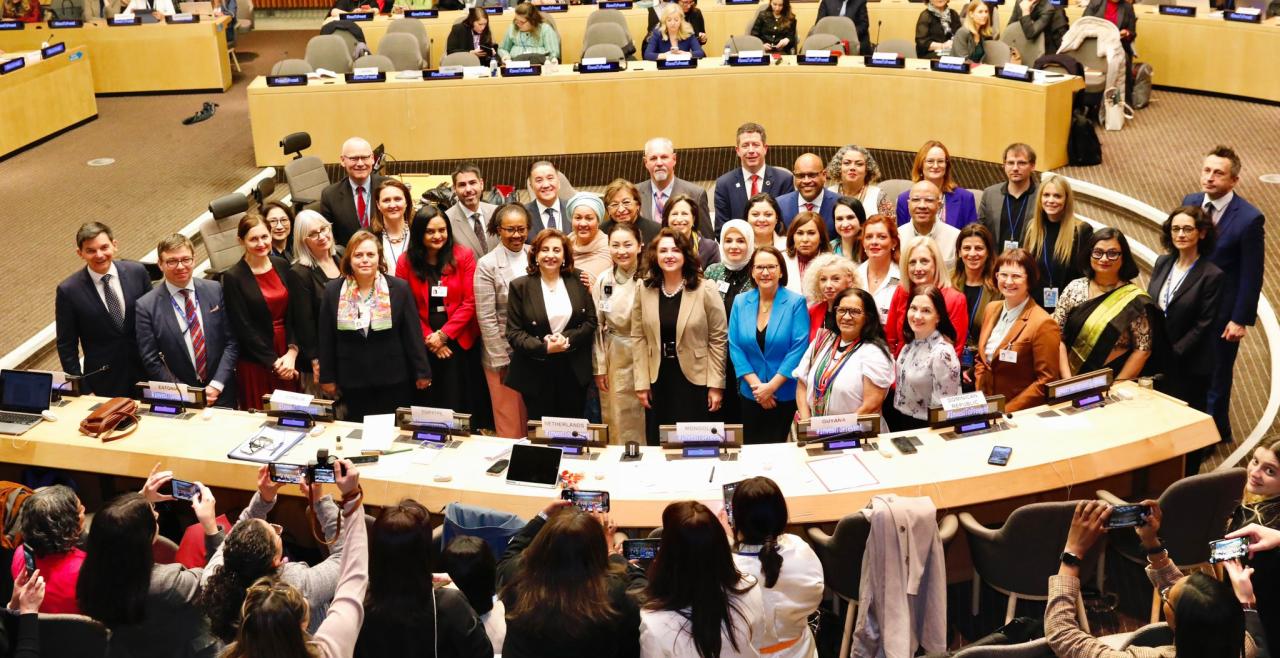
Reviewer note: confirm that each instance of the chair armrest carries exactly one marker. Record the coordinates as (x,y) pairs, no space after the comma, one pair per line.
(972,527)
(819,539)
(1110,498)
(947,528)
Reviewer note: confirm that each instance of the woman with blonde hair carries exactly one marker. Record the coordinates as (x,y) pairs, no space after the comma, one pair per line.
(1056,238)
(976,28)
(673,36)
(921,265)
(825,278)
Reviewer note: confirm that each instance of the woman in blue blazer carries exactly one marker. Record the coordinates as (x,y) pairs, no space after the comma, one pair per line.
(768,333)
(673,35)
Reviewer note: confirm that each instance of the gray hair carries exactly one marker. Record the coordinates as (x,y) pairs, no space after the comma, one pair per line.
(657,143)
(833,166)
(51,520)
(306,222)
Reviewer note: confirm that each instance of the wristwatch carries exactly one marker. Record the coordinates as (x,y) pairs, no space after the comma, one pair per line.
(1070,559)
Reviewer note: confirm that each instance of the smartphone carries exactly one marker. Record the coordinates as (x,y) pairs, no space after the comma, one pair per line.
(498,467)
(183,490)
(29,559)
(728,500)
(323,475)
(903,444)
(1223,550)
(287,473)
(640,550)
(1127,516)
(1000,456)
(587,501)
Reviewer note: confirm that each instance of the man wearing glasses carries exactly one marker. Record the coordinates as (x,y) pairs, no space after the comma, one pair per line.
(923,201)
(184,335)
(663,185)
(348,203)
(469,215)
(810,195)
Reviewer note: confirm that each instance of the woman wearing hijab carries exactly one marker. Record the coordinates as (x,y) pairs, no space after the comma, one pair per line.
(589,244)
(732,276)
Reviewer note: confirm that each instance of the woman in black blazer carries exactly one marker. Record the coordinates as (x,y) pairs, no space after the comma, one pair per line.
(1186,286)
(371,344)
(315,263)
(551,325)
(257,300)
(472,35)
(935,29)
(776,27)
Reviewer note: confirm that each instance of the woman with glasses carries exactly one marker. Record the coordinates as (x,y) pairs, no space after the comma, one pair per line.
(1056,240)
(849,370)
(530,37)
(503,264)
(280,222)
(933,163)
(315,264)
(1106,320)
(622,205)
(1018,346)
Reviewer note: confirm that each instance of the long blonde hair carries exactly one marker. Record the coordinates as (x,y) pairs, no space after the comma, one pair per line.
(940,279)
(987,30)
(686,30)
(1069,224)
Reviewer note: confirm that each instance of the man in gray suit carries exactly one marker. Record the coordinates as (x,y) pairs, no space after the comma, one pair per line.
(469,216)
(663,185)
(1007,207)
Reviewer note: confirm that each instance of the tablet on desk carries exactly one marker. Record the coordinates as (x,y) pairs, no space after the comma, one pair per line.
(534,466)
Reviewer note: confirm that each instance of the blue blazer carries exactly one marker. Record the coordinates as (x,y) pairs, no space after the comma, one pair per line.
(164,348)
(790,204)
(785,340)
(961,211)
(657,44)
(732,193)
(1238,253)
(82,323)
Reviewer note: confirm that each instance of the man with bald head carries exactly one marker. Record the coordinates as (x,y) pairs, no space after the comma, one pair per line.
(811,194)
(663,185)
(923,202)
(348,203)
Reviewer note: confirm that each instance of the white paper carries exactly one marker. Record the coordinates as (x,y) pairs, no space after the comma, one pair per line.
(377,432)
(1015,69)
(594,61)
(165,390)
(425,456)
(679,57)
(842,472)
(1252,11)
(431,416)
(884,57)
(750,53)
(182,17)
(565,428)
(457,69)
(365,71)
(290,399)
(817,53)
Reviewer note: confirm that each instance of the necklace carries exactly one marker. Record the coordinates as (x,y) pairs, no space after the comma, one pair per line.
(551,287)
(673,293)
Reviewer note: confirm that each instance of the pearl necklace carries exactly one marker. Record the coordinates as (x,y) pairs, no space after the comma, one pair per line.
(673,293)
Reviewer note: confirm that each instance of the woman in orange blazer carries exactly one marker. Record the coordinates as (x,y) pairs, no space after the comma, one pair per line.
(1018,346)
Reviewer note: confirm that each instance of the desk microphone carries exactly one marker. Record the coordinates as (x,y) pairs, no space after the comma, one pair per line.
(87,375)
(879,24)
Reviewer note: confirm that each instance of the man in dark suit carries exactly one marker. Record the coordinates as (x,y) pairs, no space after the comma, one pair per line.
(1238,253)
(183,331)
(811,194)
(94,310)
(348,203)
(1006,207)
(547,210)
(751,177)
(469,216)
(852,9)
(663,185)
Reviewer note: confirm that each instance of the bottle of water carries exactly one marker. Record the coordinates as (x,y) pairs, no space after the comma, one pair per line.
(727,51)
(553,65)
(493,66)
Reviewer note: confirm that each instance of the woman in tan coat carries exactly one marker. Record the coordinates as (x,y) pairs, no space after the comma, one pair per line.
(1018,346)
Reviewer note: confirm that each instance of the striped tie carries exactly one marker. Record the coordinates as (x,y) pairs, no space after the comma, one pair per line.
(197,337)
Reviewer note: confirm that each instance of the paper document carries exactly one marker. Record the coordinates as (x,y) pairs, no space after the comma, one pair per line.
(378,431)
(842,472)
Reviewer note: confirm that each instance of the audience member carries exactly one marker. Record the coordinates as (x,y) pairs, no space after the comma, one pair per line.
(551,325)
(856,172)
(564,565)
(368,318)
(768,333)
(95,313)
(698,603)
(615,351)
(776,27)
(547,209)
(473,570)
(472,35)
(530,37)
(956,207)
(753,176)
(1120,335)
(1238,252)
(51,523)
(681,215)
(732,276)
(976,278)
(1057,240)
(506,262)
(810,179)
(879,268)
(589,244)
(389,223)
(928,369)
(674,36)
(405,614)
(849,217)
(1037,17)
(348,203)
(623,201)
(1018,344)
(806,239)
(1006,206)
(855,10)
(920,262)
(258,307)
(1261,507)
(936,30)
(783,563)
(184,335)
(679,337)
(1121,14)
(823,385)
(826,277)
(691,14)
(764,216)
(975,30)
(924,202)
(279,220)
(28,595)
(316,262)
(441,275)
(663,185)
(469,215)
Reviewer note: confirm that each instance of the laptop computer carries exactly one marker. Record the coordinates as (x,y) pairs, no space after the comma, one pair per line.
(23,395)
(534,466)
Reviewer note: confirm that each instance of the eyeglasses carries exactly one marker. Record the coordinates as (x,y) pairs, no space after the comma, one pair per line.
(320,232)
(805,175)
(178,262)
(842,312)
(1113,254)
(923,199)
(359,158)
(766,268)
(1010,276)
(279,221)
(621,204)
(258,444)
(1182,229)
(514,230)
(936,163)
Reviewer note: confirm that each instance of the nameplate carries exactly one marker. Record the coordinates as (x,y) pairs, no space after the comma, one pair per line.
(742,2)
(287,80)
(441,74)
(571,429)
(993,2)
(837,424)
(1177,10)
(748,60)
(358,16)
(814,59)
(493,10)
(182,18)
(521,70)
(950,67)
(553,9)
(1058,3)
(885,60)
(421,13)
(380,76)
(1014,72)
(431,416)
(12,65)
(12,25)
(616,4)
(1242,16)
(63,23)
(711,432)
(669,64)
(599,67)
(53,51)
(118,21)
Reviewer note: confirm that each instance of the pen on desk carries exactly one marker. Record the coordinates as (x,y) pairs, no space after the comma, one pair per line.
(712,478)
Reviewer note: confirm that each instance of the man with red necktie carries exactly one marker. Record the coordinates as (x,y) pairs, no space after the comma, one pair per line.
(348,203)
(750,178)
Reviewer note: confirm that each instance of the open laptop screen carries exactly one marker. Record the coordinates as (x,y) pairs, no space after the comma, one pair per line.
(25,392)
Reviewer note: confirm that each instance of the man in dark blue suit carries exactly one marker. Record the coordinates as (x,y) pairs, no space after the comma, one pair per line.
(94,311)
(1238,254)
(811,194)
(184,334)
(753,176)
(547,210)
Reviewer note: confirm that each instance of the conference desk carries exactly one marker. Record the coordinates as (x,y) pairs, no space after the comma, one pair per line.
(1049,454)
(568,112)
(45,97)
(141,58)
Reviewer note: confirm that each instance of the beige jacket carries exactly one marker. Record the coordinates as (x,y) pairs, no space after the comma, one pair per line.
(702,332)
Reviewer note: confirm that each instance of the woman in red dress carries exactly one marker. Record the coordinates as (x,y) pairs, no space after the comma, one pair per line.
(258,307)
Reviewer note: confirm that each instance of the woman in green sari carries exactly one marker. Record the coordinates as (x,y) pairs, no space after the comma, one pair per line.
(1107,321)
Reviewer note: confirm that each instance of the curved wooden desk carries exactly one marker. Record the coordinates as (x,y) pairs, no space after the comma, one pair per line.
(568,112)
(1048,454)
(45,97)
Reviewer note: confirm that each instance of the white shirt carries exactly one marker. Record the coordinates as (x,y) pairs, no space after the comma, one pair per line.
(556,302)
(1219,204)
(870,197)
(844,395)
(392,252)
(180,311)
(555,210)
(114,283)
(665,633)
(514,263)
(942,233)
(788,604)
(746,180)
(1007,317)
(795,278)
(817,201)
(884,293)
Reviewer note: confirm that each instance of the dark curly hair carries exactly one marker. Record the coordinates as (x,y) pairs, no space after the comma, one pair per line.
(247,555)
(691,272)
(51,520)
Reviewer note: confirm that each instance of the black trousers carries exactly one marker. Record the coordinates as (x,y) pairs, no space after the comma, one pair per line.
(760,425)
(373,400)
(559,394)
(673,399)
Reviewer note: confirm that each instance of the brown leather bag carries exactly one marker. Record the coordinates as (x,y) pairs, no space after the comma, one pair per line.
(107,420)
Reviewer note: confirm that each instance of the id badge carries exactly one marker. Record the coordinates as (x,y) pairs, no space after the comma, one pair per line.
(1008,356)
(439,291)
(968,356)
(723,287)
(1050,297)
(1010,245)
(604,305)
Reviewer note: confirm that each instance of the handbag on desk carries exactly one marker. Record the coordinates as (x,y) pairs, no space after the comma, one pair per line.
(114,419)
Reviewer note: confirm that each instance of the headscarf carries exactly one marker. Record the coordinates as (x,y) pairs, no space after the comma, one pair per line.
(742,227)
(589,200)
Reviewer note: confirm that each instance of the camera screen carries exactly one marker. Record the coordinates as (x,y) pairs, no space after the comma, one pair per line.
(183,490)
(1127,516)
(325,475)
(728,500)
(589,501)
(288,473)
(640,549)
(1228,549)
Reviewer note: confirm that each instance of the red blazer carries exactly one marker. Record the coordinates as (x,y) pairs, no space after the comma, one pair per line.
(957,310)
(817,313)
(459,301)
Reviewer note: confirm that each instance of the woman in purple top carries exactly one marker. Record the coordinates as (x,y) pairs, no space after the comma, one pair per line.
(933,163)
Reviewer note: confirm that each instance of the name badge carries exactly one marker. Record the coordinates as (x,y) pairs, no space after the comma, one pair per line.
(1010,245)
(1008,356)
(723,286)
(604,305)
(439,291)
(1050,297)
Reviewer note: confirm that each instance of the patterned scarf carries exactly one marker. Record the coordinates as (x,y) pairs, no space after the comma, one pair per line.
(944,16)
(349,305)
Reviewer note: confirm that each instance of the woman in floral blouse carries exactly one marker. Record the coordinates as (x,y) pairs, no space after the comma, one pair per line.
(928,368)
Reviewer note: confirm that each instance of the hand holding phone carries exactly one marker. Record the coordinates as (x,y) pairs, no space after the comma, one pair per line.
(587,501)
(641,551)
(184,490)
(287,473)
(1224,550)
(1128,516)
(727,491)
